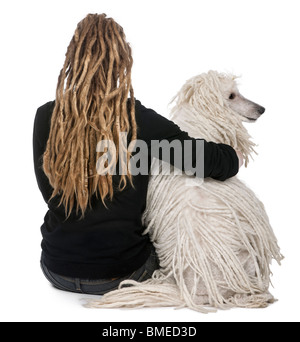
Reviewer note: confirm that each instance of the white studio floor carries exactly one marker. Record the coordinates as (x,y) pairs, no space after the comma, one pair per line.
(43,303)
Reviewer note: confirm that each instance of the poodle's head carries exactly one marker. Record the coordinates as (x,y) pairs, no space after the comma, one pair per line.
(210,104)
(214,92)
(249,111)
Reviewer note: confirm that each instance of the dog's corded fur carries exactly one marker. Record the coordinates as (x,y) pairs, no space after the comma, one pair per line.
(213,239)
(202,110)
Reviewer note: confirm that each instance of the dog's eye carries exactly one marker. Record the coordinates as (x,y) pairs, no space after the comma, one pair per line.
(232,96)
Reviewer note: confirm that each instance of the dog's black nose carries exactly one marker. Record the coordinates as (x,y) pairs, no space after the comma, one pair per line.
(261,110)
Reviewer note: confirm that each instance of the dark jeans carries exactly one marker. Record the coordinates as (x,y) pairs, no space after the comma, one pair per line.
(101,286)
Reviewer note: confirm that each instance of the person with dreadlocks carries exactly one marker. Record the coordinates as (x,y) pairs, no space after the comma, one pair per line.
(93,252)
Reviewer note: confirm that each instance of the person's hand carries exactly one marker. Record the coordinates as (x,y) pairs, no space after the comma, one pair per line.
(241,158)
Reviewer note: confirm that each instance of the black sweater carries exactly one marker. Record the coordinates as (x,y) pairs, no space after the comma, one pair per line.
(109,242)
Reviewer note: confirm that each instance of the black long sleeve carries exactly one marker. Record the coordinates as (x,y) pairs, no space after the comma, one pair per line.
(220,160)
(110,242)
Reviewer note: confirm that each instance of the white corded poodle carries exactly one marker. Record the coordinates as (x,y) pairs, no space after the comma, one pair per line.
(213,239)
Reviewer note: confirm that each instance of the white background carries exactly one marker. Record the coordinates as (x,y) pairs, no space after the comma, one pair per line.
(172,41)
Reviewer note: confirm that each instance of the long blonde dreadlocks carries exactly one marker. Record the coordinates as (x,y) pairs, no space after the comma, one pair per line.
(91,105)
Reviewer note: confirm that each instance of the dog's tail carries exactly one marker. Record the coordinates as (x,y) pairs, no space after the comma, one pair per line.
(151,293)
(134,295)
